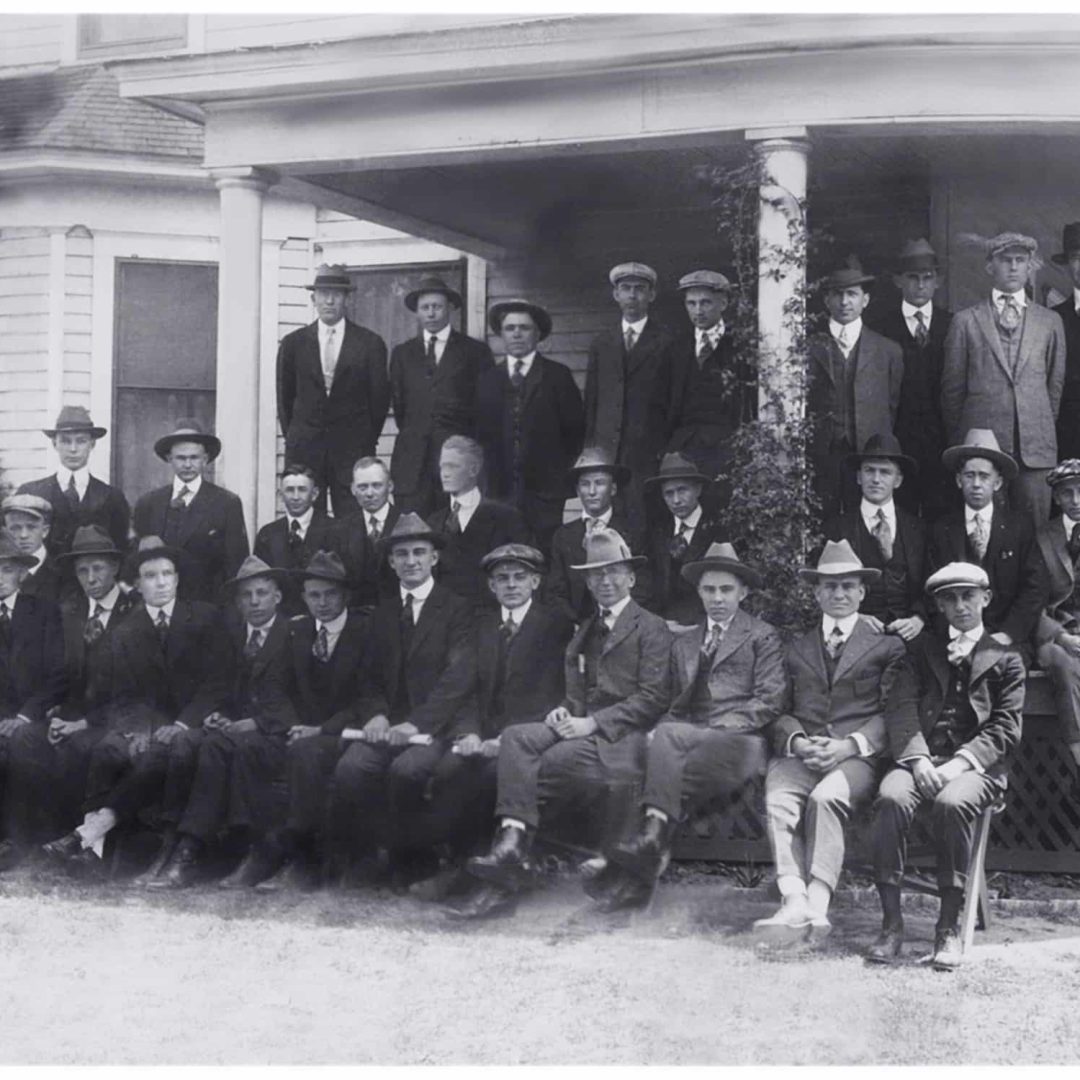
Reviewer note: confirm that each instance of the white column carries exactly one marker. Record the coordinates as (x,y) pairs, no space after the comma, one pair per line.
(782,259)
(239,332)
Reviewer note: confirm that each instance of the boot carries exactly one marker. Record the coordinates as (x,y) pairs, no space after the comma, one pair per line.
(262,860)
(508,863)
(644,855)
(161,860)
(182,869)
(890,941)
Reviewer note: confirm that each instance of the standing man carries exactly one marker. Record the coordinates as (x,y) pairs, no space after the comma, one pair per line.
(76,497)
(854,392)
(357,535)
(1005,370)
(1068,424)
(919,327)
(633,386)
(433,380)
(28,518)
(529,421)
(333,390)
(192,514)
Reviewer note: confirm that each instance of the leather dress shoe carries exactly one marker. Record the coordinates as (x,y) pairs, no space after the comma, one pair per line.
(886,950)
(298,874)
(599,877)
(449,881)
(182,869)
(629,893)
(486,902)
(64,849)
(161,860)
(643,856)
(86,865)
(507,864)
(948,951)
(12,855)
(260,863)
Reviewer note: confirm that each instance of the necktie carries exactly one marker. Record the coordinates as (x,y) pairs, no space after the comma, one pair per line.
(5,626)
(712,642)
(629,338)
(254,644)
(180,502)
(94,627)
(1010,313)
(430,354)
(330,357)
(295,539)
(979,537)
(592,524)
(374,529)
(920,329)
(883,534)
(957,649)
(72,492)
(602,625)
(508,628)
(835,642)
(516,379)
(843,340)
(321,649)
(453,522)
(408,618)
(679,542)
(705,348)
(1074,542)
(161,624)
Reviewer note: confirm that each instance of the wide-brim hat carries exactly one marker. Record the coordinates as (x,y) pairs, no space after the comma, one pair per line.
(331,277)
(847,276)
(91,540)
(23,502)
(957,575)
(838,559)
(254,567)
(432,285)
(1070,243)
(188,431)
(981,443)
(524,554)
(605,547)
(1063,472)
(706,279)
(917,255)
(324,565)
(153,547)
(885,447)
(597,459)
(74,418)
(411,527)
(676,466)
(722,557)
(500,310)
(9,551)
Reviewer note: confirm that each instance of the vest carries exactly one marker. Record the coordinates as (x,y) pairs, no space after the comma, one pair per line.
(888,598)
(1010,339)
(713,394)
(513,413)
(958,721)
(843,399)
(591,650)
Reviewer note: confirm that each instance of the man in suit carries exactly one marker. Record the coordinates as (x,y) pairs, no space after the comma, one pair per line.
(192,514)
(588,753)
(529,420)
(919,327)
(471,525)
(1068,422)
(684,537)
(76,497)
(418,677)
(357,535)
(257,716)
(634,386)
(827,741)
(333,390)
(433,382)
(953,721)
(29,518)
(854,386)
(1004,371)
(49,761)
(727,686)
(1001,541)
(596,478)
(166,670)
(886,538)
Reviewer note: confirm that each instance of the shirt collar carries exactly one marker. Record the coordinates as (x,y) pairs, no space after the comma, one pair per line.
(710,623)
(167,608)
(468,500)
(517,614)
(714,333)
(108,601)
(379,515)
(869,510)
(526,362)
(846,624)
(304,518)
(617,609)
(690,521)
(9,602)
(264,630)
(909,311)
(852,329)
(442,335)
(420,592)
(603,518)
(986,513)
(63,478)
(637,327)
(1067,524)
(41,555)
(1019,297)
(192,486)
(338,329)
(335,625)
(969,635)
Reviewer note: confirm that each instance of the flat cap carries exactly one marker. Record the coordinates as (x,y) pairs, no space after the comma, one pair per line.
(34,505)
(958,575)
(1063,471)
(705,279)
(1003,241)
(632,269)
(520,553)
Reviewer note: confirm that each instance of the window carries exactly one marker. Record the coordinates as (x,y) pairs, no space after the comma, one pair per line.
(124,35)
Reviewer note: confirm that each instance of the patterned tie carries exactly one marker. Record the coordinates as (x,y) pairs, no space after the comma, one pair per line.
(602,625)
(679,542)
(374,529)
(508,628)
(429,356)
(843,340)
(321,648)
(920,329)
(1074,542)
(94,627)
(517,378)
(295,539)
(180,502)
(705,348)
(629,339)
(979,537)
(453,522)
(712,642)
(254,644)
(71,492)
(1010,313)
(330,357)
(883,535)
(161,624)
(834,644)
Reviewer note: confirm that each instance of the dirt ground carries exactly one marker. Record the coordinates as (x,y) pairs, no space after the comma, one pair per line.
(106,975)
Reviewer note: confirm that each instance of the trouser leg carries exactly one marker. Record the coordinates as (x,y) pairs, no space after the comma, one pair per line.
(357,820)
(572,778)
(310,764)
(110,761)
(207,802)
(142,786)
(788,783)
(1064,673)
(521,750)
(259,765)
(409,779)
(954,814)
(180,769)
(897,800)
(828,809)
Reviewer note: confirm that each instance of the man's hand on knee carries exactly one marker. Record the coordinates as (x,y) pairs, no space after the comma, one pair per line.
(928,781)
(400,734)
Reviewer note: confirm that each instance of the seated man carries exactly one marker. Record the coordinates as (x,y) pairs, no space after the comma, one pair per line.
(49,763)
(953,720)
(684,536)
(230,787)
(728,685)
(166,670)
(589,752)
(827,741)
(28,518)
(886,538)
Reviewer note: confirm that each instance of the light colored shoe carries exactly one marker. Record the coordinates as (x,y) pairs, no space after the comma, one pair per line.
(818,929)
(593,868)
(789,923)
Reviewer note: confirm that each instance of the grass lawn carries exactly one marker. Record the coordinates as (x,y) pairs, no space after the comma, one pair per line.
(105,975)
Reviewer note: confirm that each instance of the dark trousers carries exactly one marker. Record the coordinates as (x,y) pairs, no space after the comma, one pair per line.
(309,764)
(1063,670)
(162,775)
(954,813)
(459,809)
(688,766)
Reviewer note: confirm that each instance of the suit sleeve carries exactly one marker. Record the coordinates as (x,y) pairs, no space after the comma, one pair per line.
(397,388)
(639,710)
(571,416)
(896,378)
(220,663)
(902,727)
(378,385)
(236,537)
(954,378)
(557,582)
(873,731)
(1023,614)
(770,683)
(455,686)
(1000,735)
(1055,363)
(787,723)
(592,391)
(286,383)
(262,547)
(52,687)
(119,519)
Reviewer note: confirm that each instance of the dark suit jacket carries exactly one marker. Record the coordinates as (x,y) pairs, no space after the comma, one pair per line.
(49,582)
(147,687)
(371,578)
(855,699)
(978,390)
(670,595)
(747,682)
(532,675)
(32,673)
(1068,422)
(273,547)
(212,532)
(431,405)
(102,505)
(270,682)
(332,431)
(491,525)
(1057,579)
(331,702)
(551,428)
(439,670)
(1016,593)
(721,370)
(996,693)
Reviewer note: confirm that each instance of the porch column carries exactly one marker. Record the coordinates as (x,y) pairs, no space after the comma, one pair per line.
(238,330)
(782,153)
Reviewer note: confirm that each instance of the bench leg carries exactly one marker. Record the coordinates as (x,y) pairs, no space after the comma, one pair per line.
(976,908)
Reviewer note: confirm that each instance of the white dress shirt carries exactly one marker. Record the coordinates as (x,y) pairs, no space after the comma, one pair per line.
(616,610)
(304,521)
(517,614)
(419,594)
(40,556)
(265,631)
(909,311)
(869,513)
(638,328)
(441,338)
(192,486)
(82,479)
(9,603)
(333,631)
(690,521)
(998,297)
(379,515)
(712,336)
(851,332)
(338,329)
(167,608)
(987,515)
(526,363)
(467,502)
(104,606)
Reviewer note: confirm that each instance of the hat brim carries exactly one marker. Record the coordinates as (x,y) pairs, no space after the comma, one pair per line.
(177,556)
(1061,258)
(955,456)
(340,288)
(921,262)
(620,473)
(539,316)
(211,443)
(274,573)
(413,298)
(689,474)
(93,432)
(810,573)
(487,565)
(633,560)
(693,571)
(829,284)
(907,464)
(19,560)
(387,542)
(98,553)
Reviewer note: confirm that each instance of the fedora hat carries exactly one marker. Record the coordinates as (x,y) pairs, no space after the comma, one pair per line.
(722,557)
(597,459)
(917,255)
(676,466)
(837,559)
(153,547)
(74,418)
(524,554)
(9,552)
(432,285)
(254,567)
(24,503)
(91,540)
(331,277)
(412,526)
(500,310)
(1070,243)
(605,547)
(980,442)
(632,269)
(706,279)
(324,565)
(847,276)
(958,575)
(885,447)
(188,431)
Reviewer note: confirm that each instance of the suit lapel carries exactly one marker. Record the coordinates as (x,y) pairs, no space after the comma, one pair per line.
(532,381)
(429,615)
(809,647)
(193,517)
(642,347)
(737,633)
(984,319)
(937,658)
(176,638)
(270,647)
(487,642)
(861,641)
(691,652)
(315,353)
(1060,547)
(983,658)
(624,625)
